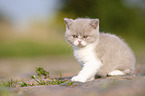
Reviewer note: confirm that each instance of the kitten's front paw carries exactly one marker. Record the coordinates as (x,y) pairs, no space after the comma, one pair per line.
(78,79)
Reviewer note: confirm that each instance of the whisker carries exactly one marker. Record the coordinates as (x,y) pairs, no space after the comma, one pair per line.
(67,47)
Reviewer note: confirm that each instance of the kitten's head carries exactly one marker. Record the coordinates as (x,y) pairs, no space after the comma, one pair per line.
(81,32)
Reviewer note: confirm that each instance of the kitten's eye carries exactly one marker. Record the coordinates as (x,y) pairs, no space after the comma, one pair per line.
(85,37)
(75,36)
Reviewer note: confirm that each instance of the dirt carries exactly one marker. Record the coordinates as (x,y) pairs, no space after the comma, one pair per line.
(130,85)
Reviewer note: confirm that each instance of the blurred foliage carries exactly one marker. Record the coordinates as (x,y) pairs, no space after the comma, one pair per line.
(115,17)
(3,18)
(47,38)
(32,49)
(113,14)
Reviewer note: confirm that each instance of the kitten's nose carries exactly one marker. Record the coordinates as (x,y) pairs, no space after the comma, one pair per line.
(79,42)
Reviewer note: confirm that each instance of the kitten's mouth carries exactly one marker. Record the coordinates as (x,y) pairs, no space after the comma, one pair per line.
(80,45)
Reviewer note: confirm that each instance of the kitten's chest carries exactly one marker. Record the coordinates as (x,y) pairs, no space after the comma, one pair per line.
(85,55)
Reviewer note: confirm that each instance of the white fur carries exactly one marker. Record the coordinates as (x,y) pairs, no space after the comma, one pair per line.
(116,72)
(89,62)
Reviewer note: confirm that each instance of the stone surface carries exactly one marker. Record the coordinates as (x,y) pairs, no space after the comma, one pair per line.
(133,85)
(110,86)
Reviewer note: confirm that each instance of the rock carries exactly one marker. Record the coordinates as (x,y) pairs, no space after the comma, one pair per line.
(109,86)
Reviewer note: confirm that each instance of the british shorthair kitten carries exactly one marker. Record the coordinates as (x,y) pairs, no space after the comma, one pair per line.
(100,54)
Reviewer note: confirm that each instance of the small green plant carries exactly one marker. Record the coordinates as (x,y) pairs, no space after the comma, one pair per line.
(11,83)
(42,75)
(42,78)
(41,72)
(40,81)
(24,84)
(69,83)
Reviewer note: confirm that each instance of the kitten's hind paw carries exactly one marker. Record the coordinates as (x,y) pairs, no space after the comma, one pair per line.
(116,72)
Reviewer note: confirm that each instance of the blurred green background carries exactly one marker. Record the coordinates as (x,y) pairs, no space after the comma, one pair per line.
(42,34)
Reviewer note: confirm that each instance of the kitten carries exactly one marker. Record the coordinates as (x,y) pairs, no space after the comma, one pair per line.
(99,54)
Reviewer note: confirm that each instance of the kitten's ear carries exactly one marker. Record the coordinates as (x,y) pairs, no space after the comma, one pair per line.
(68,22)
(95,23)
